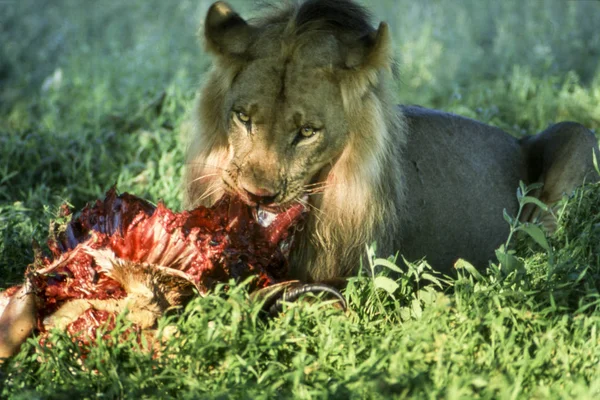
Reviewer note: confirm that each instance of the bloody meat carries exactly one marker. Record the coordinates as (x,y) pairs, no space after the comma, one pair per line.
(124,252)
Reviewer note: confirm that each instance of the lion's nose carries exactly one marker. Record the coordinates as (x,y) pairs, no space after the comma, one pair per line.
(260,195)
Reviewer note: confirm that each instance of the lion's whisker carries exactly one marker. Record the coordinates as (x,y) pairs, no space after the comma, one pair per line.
(318,187)
(308,185)
(316,190)
(319,190)
(207,195)
(208,166)
(210,190)
(204,176)
(316,211)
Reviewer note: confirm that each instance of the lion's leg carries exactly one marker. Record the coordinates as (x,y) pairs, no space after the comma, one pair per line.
(561,158)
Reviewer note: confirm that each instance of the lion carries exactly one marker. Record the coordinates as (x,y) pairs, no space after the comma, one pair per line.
(299,107)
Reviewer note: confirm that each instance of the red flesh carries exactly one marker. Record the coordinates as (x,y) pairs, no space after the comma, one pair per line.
(209,245)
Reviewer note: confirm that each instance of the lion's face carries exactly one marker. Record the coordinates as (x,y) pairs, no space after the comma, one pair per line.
(277,107)
(285,124)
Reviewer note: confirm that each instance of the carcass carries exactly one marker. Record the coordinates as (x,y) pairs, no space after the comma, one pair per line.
(123,253)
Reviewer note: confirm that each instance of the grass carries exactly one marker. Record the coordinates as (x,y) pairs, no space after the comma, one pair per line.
(78,91)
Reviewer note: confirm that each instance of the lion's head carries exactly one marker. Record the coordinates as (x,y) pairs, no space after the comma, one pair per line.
(296,105)
(283,127)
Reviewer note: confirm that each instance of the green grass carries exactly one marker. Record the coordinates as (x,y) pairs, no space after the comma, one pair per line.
(528,330)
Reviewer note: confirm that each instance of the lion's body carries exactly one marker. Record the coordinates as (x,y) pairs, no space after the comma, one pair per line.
(298,103)
(460,175)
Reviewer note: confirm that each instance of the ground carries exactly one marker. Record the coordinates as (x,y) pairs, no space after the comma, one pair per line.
(93,95)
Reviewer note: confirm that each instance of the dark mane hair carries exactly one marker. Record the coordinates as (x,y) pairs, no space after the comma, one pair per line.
(337,16)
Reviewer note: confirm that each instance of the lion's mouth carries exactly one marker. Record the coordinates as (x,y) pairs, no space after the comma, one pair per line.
(265,211)
(266,214)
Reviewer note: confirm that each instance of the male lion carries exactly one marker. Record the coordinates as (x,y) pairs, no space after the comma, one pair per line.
(298,104)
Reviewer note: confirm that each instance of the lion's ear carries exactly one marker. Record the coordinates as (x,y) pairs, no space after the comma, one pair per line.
(372,52)
(225,32)
(364,63)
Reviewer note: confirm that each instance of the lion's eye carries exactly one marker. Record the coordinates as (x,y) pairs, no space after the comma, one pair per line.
(304,134)
(243,117)
(307,131)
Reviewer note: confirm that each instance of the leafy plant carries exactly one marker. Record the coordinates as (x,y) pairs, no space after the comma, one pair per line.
(506,256)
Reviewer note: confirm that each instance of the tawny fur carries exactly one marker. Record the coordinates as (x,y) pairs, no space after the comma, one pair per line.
(418,181)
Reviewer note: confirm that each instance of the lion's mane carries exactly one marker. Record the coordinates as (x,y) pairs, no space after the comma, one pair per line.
(364,192)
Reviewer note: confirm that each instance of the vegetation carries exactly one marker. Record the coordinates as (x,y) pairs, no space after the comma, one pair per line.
(94,95)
